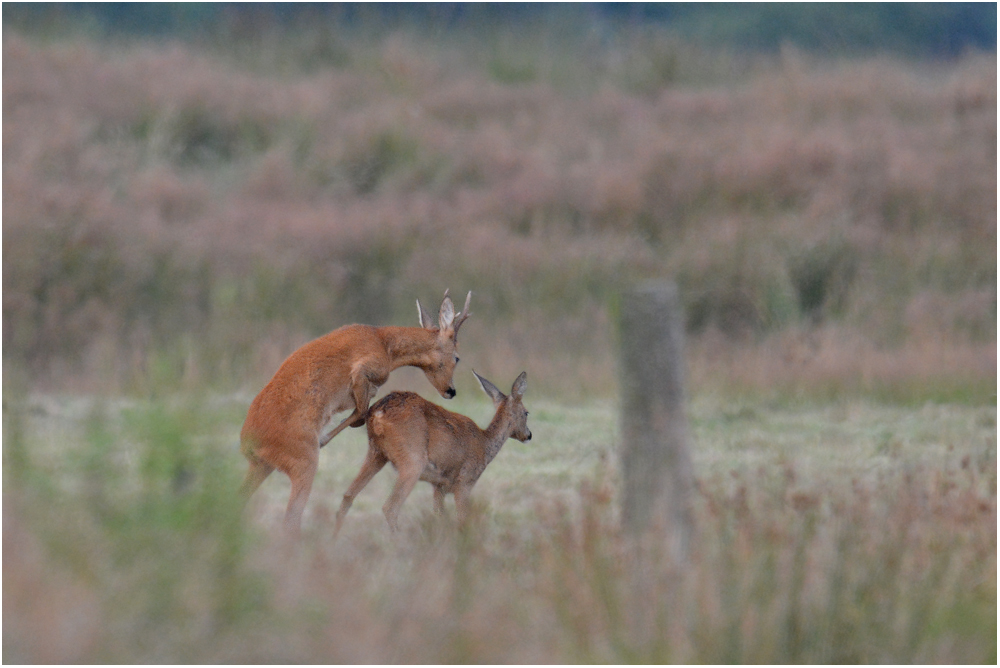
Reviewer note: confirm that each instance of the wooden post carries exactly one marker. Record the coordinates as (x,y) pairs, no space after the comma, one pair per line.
(657,472)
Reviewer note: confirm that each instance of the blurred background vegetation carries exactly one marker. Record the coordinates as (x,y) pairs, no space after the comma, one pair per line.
(193,190)
(913,29)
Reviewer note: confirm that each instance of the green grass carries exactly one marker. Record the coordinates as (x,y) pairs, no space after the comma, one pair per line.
(852,532)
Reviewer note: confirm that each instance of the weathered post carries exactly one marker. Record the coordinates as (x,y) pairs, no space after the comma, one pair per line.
(656,465)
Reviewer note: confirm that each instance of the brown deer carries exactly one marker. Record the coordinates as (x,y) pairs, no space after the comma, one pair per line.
(333,373)
(426,442)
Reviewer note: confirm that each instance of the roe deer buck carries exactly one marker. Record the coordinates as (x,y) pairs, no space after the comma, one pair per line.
(340,370)
(426,442)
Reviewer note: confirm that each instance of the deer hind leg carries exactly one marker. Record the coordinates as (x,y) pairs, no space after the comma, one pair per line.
(409,475)
(256,474)
(462,503)
(374,461)
(438,500)
(302,476)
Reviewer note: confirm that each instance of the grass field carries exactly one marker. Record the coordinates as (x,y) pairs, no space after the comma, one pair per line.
(851,532)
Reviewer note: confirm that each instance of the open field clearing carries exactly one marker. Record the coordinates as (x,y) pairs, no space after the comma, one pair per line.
(850,532)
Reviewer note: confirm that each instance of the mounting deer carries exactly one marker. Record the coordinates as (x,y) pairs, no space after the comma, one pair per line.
(426,442)
(333,373)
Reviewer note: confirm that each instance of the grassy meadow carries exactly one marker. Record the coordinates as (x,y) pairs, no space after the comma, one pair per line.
(853,532)
(180,215)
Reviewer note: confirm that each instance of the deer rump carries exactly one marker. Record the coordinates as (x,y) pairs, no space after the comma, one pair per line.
(410,431)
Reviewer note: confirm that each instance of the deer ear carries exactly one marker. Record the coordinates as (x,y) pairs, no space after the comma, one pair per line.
(447,314)
(490,389)
(520,385)
(425,317)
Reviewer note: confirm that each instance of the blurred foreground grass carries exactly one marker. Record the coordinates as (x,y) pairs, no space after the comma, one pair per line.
(852,532)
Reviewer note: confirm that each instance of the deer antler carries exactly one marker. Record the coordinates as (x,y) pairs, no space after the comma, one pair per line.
(461,317)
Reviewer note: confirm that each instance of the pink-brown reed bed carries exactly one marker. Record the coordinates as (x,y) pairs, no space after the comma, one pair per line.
(831,363)
(170,215)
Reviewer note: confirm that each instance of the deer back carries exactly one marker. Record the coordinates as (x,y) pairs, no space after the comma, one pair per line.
(404,420)
(313,381)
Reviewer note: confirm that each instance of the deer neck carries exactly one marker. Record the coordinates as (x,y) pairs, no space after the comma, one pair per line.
(496,435)
(408,346)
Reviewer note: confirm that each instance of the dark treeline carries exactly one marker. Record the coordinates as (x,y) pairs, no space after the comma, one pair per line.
(924,30)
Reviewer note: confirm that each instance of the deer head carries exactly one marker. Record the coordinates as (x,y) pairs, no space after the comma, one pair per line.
(444,356)
(514,413)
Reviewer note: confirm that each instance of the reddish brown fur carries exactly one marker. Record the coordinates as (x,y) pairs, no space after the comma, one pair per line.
(333,373)
(426,442)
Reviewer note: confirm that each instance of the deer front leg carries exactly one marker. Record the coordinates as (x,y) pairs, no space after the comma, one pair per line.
(362,391)
(336,430)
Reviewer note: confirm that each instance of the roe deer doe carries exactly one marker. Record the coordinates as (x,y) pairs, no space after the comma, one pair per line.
(333,373)
(426,442)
